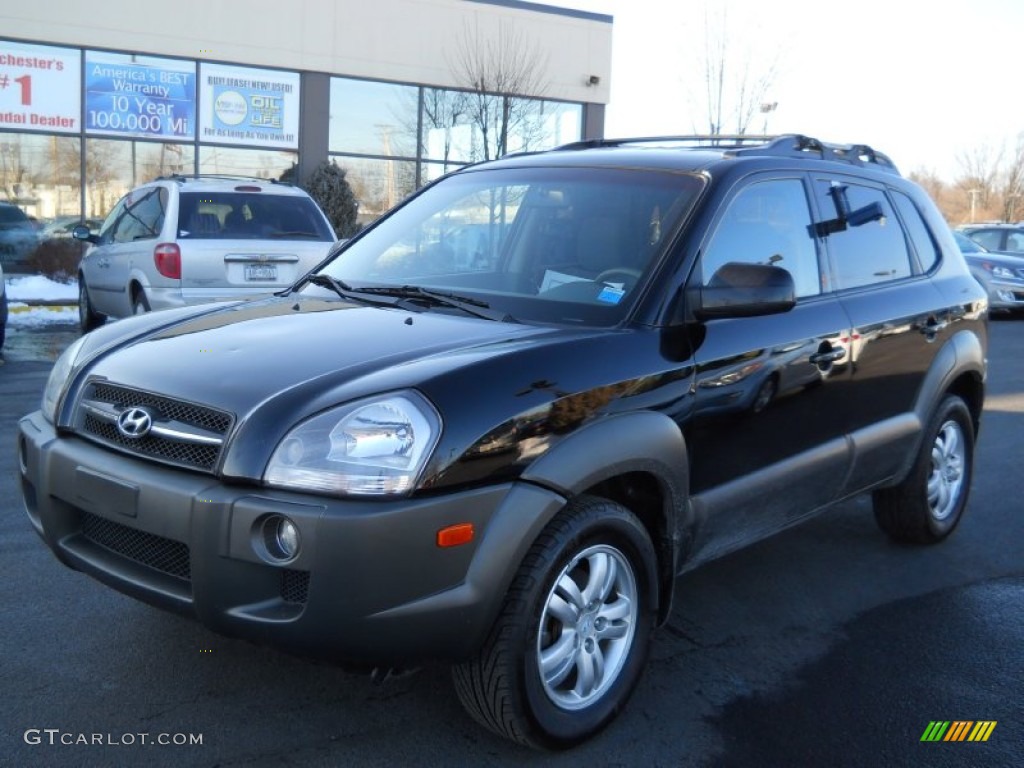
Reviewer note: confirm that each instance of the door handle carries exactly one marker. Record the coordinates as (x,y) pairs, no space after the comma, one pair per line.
(828,357)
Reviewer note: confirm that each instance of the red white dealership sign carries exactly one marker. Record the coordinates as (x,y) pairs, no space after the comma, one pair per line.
(40,87)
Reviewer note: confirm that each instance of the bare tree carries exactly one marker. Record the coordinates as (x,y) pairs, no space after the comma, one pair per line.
(736,77)
(1011,186)
(499,71)
(443,111)
(979,170)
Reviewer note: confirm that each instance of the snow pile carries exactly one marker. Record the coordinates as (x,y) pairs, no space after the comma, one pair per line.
(40,288)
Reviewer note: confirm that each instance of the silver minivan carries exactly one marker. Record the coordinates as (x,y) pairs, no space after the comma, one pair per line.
(194,239)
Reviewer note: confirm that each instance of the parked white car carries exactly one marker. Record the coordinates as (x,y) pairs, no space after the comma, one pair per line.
(193,239)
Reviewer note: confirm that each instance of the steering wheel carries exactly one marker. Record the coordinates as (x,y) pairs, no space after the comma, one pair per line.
(603,277)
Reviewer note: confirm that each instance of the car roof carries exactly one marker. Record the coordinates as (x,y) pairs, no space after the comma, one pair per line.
(218,183)
(994,225)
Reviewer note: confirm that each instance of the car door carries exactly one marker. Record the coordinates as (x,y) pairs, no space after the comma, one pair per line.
(95,265)
(767,434)
(899,318)
(126,243)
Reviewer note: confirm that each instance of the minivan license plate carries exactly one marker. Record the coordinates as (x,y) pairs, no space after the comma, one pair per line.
(261,272)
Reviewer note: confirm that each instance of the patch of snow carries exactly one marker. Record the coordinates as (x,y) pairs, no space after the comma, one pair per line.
(40,288)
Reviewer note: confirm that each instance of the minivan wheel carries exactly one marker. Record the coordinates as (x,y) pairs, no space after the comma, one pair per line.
(928,504)
(88,318)
(140,304)
(571,640)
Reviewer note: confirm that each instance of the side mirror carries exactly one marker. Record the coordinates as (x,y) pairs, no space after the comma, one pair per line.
(739,289)
(81,232)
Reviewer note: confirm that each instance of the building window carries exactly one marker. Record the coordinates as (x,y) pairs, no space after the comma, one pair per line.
(378,185)
(257,163)
(41,174)
(369,118)
(113,167)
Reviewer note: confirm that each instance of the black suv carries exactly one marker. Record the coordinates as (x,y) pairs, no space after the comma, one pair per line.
(496,425)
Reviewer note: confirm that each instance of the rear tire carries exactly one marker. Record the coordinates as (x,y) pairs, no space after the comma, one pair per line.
(140,304)
(928,504)
(88,317)
(571,640)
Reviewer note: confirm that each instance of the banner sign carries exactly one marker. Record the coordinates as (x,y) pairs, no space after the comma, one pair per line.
(39,87)
(255,107)
(149,98)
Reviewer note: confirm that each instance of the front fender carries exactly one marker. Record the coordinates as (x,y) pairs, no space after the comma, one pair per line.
(643,442)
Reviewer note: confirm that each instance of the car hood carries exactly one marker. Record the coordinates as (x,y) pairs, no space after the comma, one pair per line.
(238,356)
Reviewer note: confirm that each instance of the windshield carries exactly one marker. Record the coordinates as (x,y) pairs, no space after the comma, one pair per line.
(558,245)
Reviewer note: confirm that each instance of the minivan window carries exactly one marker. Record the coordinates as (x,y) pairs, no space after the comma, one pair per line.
(250,216)
(143,216)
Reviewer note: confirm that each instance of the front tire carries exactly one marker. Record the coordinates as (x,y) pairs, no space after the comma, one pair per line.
(570,643)
(928,504)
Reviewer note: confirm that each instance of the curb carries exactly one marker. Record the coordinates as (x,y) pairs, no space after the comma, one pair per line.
(18,306)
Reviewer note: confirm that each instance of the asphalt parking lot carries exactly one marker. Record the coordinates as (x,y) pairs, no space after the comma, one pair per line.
(825,645)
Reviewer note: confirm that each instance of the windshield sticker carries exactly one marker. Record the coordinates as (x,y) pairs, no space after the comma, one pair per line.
(611,294)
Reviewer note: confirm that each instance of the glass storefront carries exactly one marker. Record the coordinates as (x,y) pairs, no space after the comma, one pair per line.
(121,119)
(258,163)
(376,128)
(113,167)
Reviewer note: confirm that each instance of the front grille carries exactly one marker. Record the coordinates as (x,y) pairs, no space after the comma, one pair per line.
(197,432)
(171,410)
(294,586)
(164,555)
(189,454)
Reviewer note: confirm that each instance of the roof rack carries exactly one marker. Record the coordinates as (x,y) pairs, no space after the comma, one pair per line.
(181,177)
(784,145)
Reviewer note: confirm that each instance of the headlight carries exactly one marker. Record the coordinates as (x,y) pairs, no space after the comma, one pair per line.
(372,447)
(58,379)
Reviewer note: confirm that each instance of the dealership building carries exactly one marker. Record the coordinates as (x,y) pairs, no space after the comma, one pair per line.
(96,98)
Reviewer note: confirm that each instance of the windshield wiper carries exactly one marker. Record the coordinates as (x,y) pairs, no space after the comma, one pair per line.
(346,291)
(294,233)
(366,294)
(467,304)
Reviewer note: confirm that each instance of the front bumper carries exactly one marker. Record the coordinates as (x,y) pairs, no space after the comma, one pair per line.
(369,583)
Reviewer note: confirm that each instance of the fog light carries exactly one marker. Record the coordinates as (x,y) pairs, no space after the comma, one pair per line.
(280,538)
(288,538)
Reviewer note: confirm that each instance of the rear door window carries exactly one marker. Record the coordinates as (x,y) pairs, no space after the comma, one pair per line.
(865,241)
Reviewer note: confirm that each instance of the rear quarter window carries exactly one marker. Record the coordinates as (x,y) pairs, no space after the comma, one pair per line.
(920,236)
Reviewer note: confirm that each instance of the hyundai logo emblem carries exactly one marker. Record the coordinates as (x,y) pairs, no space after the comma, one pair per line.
(134,423)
